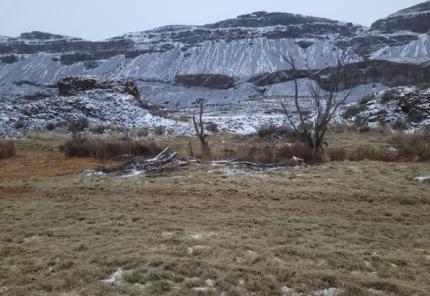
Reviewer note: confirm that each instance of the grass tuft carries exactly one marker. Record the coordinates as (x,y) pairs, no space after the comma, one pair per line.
(7,149)
(109,149)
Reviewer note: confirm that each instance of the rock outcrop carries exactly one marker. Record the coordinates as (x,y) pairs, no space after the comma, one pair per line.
(74,85)
(211,81)
(377,71)
(400,107)
(415,19)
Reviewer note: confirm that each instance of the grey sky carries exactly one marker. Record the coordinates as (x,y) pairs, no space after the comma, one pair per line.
(100,19)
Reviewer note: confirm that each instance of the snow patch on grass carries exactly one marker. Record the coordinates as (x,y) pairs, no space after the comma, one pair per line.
(114,278)
(423,179)
(327,292)
(167,234)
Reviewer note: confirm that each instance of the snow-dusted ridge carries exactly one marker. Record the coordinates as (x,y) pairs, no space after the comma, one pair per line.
(239,49)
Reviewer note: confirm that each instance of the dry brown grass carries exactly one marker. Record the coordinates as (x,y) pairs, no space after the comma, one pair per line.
(108,149)
(234,147)
(360,227)
(30,164)
(7,149)
(273,153)
(372,153)
(413,146)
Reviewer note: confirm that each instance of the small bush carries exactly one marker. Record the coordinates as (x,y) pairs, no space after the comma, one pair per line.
(400,125)
(50,126)
(77,125)
(273,132)
(7,149)
(353,110)
(372,153)
(413,146)
(336,154)
(108,149)
(142,132)
(98,129)
(19,124)
(159,130)
(388,96)
(212,127)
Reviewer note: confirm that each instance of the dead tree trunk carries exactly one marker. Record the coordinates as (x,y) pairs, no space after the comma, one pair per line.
(200,129)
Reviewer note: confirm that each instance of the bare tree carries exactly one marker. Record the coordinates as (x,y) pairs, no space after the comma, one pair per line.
(200,129)
(325,102)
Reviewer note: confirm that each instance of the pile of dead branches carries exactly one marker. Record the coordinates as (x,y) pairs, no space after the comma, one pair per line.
(140,166)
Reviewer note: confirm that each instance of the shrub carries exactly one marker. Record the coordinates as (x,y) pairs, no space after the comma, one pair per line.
(7,149)
(50,126)
(388,96)
(353,110)
(159,130)
(212,127)
(400,125)
(108,149)
(142,132)
(413,146)
(372,153)
(336,154)
(77,125)
(273,132)
(98,129)
(19,124)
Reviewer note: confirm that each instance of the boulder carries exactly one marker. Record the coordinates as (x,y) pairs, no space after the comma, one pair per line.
(212,81)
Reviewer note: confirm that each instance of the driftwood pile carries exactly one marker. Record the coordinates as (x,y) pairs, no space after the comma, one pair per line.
(140,166)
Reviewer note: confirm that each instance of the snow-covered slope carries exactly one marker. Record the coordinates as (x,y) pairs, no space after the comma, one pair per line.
(246,46)
(108,109)
(242,52)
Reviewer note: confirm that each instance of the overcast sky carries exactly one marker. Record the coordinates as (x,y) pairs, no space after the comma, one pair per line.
(100,19)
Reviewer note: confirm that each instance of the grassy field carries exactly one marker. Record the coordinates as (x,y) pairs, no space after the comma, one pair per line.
(340,228)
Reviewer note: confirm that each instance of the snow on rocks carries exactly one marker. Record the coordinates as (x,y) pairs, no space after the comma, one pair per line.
(101,108)
(400,105)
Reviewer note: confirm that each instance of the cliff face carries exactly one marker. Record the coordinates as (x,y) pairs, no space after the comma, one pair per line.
(243,47)
(415,19)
